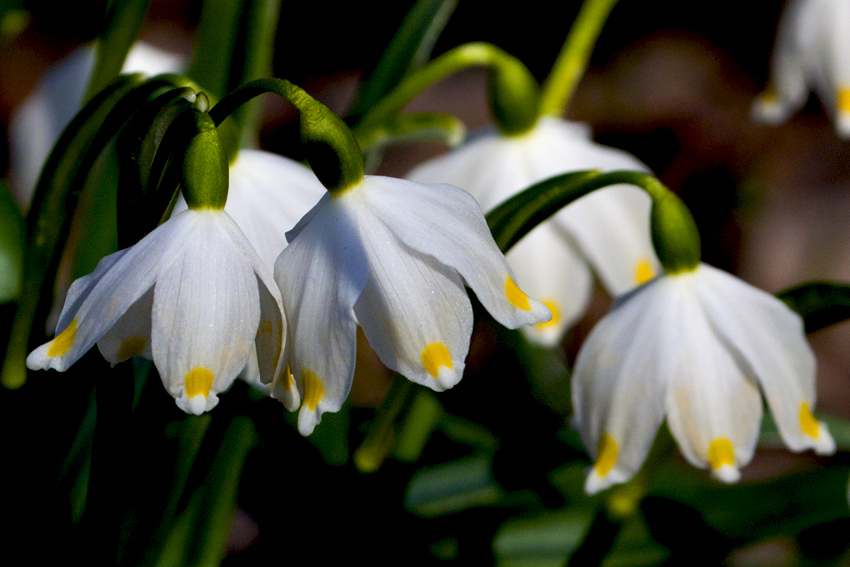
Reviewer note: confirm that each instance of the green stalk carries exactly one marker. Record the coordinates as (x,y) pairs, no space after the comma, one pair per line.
(123,22)
(574,55)
(330,146)
(513,90)
(674,232)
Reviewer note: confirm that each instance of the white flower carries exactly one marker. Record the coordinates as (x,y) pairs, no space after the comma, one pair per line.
(696,348)
(812,52)
(192,295)
(268,195)
(608,228)
(39,120)
(393,256)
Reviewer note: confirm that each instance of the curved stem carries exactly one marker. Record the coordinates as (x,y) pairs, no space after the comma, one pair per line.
(331,148)
(674,232)
(574,55)
(513,90)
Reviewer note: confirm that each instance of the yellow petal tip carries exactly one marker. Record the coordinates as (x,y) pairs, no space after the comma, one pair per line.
(62,343)
(434,356)
(516,296)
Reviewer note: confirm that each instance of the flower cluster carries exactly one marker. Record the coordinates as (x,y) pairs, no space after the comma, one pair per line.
(606,232)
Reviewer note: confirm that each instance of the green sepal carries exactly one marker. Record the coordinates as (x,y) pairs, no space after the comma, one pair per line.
(409,49)
(514,97)
(329,145)
(674,233)
(820,304)
(55,201)
(205,167)
(11,246)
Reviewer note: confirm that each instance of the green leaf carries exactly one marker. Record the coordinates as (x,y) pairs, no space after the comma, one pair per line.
(747,512)
(122,24)
(820,304)
(452,487)
(542,539)
(146,191)
(199,535)
(11,246)
(235,45)
(55,201)
(409,49)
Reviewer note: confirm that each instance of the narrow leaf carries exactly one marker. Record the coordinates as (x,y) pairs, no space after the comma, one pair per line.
(820,304)
(409,49)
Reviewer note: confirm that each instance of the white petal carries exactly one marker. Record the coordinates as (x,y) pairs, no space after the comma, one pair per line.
(98,300)
(268,195)
(611,226)
(713,410)
(770,346)
(131,335)
(492,168)
(414,311)
(548,268)
(321,274)
(789,86)
(206,313)
(445,222)
(620,382)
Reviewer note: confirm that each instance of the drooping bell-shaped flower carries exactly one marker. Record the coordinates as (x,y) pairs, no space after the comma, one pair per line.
(392,256)
(193,295)
(697,347)
(606,232)
(812,53)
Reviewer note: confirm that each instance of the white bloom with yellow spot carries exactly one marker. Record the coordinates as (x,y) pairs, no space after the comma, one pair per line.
(696,348)
(607,230)
(193,295)
(393,256)
(812,52)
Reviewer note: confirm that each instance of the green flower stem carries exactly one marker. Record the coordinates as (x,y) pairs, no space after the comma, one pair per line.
(234,45)
(574,55)
(123,22)
(369,456)
(674,232)
(513,90)
(331,148)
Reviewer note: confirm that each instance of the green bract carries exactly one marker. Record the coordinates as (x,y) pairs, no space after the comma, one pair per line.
(205,169)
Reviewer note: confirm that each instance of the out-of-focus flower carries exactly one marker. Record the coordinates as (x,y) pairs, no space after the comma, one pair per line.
(697,348)
(393,256)
(39,120)
(812,52)
(193,295)
(606,231)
